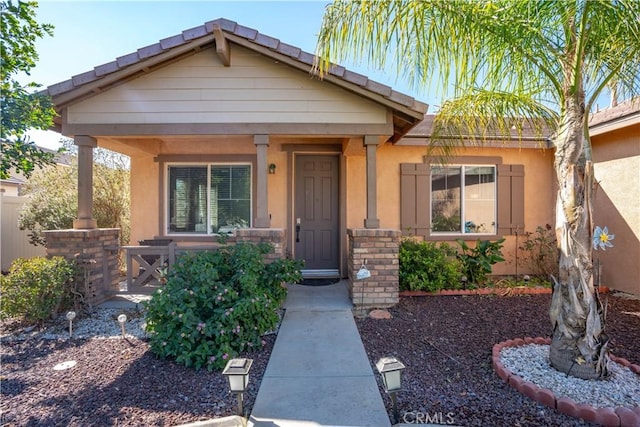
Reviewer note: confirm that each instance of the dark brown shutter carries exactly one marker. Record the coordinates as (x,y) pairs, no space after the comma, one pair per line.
(510,199)
(414,198)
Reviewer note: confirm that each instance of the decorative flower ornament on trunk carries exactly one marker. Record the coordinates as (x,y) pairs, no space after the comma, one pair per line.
(602,238)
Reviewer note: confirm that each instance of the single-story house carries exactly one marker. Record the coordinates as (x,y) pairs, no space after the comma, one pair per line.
(230,131)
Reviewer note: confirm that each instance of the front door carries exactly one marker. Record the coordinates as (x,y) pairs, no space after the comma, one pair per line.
(316,214)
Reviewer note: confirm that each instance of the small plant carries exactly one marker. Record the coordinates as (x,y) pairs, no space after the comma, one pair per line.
(541,252)
(425,266)
(218,304)
(478,261)
(36,288)
(525,281)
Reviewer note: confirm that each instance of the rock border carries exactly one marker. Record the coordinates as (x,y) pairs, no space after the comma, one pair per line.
(487,291)
(615,417)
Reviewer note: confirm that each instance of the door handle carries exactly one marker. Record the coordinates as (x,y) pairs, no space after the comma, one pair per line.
(297,230)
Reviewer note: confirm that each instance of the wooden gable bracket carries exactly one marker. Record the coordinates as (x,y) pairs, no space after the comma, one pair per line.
(222,45)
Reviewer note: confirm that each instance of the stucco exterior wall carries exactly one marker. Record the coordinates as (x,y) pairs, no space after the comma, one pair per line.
(540,188)
(145,198)
(147,190)
(616,205)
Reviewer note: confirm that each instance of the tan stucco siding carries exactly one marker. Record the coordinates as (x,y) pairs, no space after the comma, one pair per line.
(540,188)
(199,89)
(145,198)
(148,191)
(277,186)
(356,192)
(539,180)
(616,205)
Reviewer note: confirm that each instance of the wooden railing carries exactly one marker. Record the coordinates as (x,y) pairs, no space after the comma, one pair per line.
(163,259)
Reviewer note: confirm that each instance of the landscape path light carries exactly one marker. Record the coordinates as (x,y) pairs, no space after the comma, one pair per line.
(70,316)
(390,369)
(237,371)
(122,319)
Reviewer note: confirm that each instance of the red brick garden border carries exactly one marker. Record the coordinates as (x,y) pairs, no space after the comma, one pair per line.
(487,291)
(620,416)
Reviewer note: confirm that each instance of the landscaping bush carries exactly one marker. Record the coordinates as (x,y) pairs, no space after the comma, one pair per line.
(541,252)
(216,305)
(425,266)
(36,288)
(477,262)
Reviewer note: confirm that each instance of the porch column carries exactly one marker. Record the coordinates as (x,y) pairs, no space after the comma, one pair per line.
(371,144)
(85,220)
(262,201)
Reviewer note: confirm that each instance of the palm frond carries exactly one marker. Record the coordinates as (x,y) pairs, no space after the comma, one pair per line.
(481,116)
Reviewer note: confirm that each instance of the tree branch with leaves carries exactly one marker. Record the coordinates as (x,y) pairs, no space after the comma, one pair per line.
(21,107)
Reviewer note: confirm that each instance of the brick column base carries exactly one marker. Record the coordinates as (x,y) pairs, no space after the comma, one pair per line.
(96,250)
(275,236)
(379,248)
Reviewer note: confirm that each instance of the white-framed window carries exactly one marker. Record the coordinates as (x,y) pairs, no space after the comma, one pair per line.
(463,199)
(208,198)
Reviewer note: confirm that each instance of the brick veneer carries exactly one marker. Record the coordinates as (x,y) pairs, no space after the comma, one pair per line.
(379,248)
(97,250)
(275,236)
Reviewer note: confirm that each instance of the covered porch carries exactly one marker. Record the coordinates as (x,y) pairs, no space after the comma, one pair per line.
(231,132)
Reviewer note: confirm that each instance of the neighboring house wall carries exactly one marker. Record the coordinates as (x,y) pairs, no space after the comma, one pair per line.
(15,242)
(616,205)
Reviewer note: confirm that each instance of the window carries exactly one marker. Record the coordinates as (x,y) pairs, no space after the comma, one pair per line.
(463,199)
(205,199)
(475,195)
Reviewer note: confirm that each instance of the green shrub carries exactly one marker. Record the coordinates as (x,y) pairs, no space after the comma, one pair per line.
(541,252)
(36,287)
(425,266)
(477,262)
(217,304)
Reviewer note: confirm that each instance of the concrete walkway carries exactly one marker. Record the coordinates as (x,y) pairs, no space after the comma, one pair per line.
(318,373)
(130,298)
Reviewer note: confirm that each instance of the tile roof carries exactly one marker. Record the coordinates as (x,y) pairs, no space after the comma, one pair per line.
(424,129)
(102,76)
(626,110)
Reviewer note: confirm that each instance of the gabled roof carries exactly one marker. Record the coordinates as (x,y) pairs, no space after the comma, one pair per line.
(406,110)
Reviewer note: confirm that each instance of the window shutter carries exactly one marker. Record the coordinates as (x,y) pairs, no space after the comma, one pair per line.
(510,199)
(414,198)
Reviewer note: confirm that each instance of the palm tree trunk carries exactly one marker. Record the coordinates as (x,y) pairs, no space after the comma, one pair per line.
(579,344)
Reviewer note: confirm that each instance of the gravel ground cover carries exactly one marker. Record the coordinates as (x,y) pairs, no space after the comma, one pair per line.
(445,342)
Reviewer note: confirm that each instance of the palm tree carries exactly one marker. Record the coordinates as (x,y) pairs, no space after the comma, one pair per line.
(541,61)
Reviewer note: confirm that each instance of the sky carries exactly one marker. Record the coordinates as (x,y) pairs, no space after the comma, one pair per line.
(91,33)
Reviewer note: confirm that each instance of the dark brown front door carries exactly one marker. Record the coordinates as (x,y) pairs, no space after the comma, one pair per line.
(316,211)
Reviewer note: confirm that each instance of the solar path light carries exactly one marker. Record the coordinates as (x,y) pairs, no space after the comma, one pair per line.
(237,371)
(122,319)
(70,316)
(390,369)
